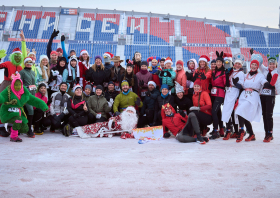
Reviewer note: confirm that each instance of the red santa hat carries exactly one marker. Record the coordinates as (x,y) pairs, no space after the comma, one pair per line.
(168,60)
(16,50)
(108,54)
(27,59)
(227,56)
(204,58)
(83,52)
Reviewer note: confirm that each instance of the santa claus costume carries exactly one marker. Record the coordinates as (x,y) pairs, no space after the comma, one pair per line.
(249,107)
(268,94)
(126,121)
(83,66)
(236,80)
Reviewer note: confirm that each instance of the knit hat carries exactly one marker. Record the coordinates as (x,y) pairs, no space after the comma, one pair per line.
(77,87)
(73,58)
(107,57)
(54,52)
(180,63)
(59,50)
(72,50)
(88,87)
(197,82)
(129,63)
(96,57)
(178,88)
(162,59)
(111,82)
(99,87)
(238,58)
(27,59)
(130,108)
(219,56)
(213,61)
(164,86)
(144,63)
(124,82)
(168,60)
(255,61)
(204,58)
(16,50)
(83,52)
(63,83)
(152,83)
(42,57)
(42,85)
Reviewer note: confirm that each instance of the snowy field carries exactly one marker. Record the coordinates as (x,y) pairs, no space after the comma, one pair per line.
(52,165)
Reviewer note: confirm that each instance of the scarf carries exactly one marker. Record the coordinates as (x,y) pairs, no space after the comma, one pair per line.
(143,71)
(125,93)
(171,115)
(253,73)
(164,96)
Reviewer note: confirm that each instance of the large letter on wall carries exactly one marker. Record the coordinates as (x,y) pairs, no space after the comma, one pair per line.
(23,21)
(47,24)
(79,24)
(133,27)
(104,25)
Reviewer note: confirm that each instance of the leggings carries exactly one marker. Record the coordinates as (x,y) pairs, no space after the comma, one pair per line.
(192,126)
(80,121)
(204,119)
(248,125)
(216,111)
(232,122)
(39,120)
(268,103)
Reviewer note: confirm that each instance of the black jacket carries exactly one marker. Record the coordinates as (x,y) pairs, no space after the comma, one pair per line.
(79,110)
(162,101)
(128,78)
(184,104)
(98,77)
(109,95)
(149,101)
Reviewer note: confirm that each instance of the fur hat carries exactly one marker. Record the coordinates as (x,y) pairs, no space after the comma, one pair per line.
(178,88)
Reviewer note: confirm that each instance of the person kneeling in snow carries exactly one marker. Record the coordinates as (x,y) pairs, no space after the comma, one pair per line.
(126,121)
(182,126)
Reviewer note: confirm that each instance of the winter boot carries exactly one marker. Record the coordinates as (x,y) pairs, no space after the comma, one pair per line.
(3,132)
(234,135)
(268,137)
(250,138)
(240,135)
(67,130)
(227,136)
(215,135)
(200,140)
(222,132)
(38,132)
(14,136)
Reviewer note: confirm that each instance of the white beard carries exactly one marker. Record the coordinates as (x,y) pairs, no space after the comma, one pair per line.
(128,121)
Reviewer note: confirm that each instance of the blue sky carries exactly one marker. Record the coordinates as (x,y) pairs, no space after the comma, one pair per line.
(253,12)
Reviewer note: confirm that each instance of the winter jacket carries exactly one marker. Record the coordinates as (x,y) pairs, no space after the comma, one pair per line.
(123,101)
(42,97)
(59,103)
(154,70)
(56,68)
(98,104)
(175,124)
(70,80)
(189,75)
(169,80)
(75,107)
(98,77)
(137,67)
(204,83)
(39,77)
(146,78)
(204,101)
(181,78)
(149,101)
(116,76)
(184,104)
(162,101)
(128,78)
(108,66)
(9,69)
(218,82)
(83,70)
(28,78)
(110,94)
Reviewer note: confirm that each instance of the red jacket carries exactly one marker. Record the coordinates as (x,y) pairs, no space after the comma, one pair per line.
(181,78)
(83,69)
(205,102)
(218,82)
(175,124)
(9,69)
(44,98)
(204,83)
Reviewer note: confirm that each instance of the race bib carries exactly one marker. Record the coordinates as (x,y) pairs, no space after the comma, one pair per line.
(143,92)
(214,90)
(12,109)
(266,92)
(248,92)
(55,87)
(117,86)
(32,87)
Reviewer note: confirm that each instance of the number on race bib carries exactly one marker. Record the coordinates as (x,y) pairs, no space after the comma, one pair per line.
(12,109)
(266,92)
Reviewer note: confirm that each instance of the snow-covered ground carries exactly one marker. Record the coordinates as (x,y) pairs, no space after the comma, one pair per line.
(52,165)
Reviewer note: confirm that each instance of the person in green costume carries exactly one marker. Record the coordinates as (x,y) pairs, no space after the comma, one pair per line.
(13,98)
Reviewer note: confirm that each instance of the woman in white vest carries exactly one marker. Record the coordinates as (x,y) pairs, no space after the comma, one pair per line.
(236,80)
(270,90)
(249,107)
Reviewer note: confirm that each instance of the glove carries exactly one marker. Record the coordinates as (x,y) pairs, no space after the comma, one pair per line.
(193,108)
(110,104)
(77,80)
(54,34)
(2,53)
(182,113)
(148,93)
(138,100)
(141,83)
(196,75)
(98,116)
(117,113)
(158,72)
(162,73)
(202,76)
(168,74)
(251,51)
(267,85)
(235,80)
(62,38)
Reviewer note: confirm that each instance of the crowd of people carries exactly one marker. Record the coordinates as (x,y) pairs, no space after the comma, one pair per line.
(66,93)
